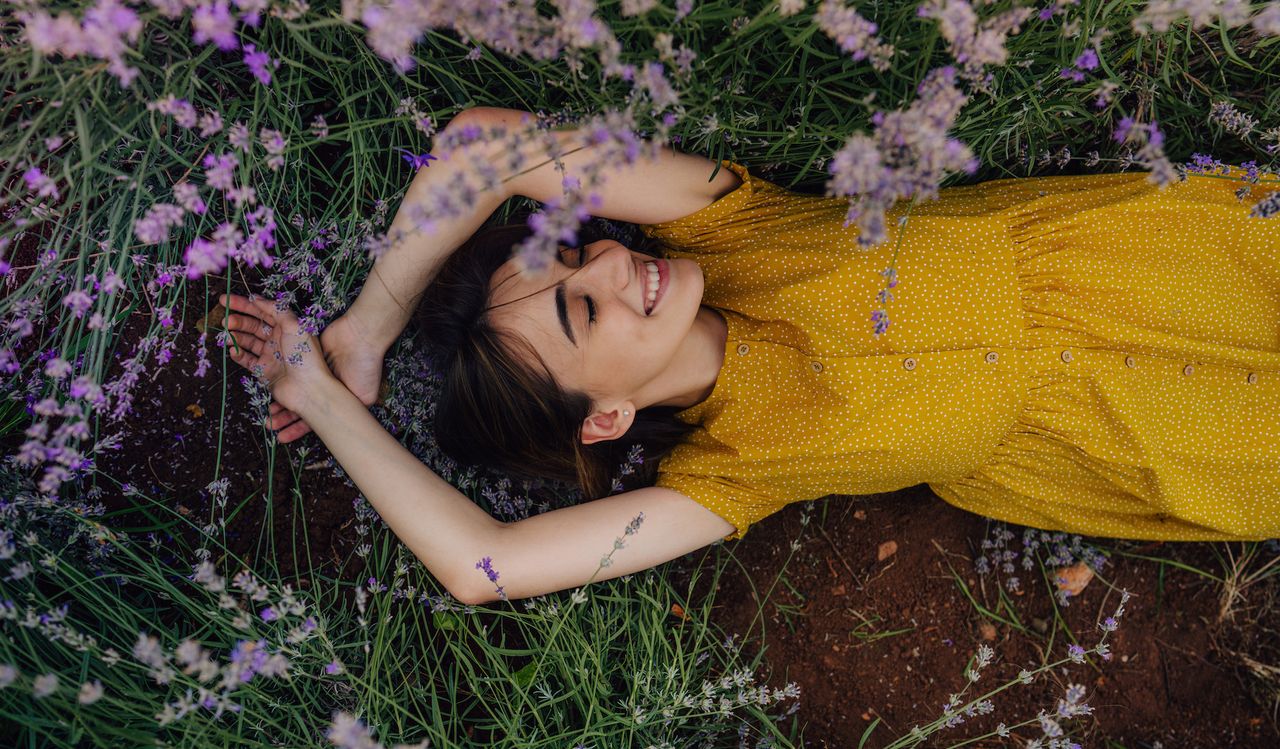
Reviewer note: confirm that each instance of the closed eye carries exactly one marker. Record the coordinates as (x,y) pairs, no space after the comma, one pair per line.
(591,306)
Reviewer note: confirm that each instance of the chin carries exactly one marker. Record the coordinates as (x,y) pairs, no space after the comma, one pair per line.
(692,277)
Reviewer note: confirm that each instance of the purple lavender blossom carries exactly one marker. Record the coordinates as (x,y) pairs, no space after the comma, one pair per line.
(260,64)
(417,161)
(40,184)
(486,564)
(213,22)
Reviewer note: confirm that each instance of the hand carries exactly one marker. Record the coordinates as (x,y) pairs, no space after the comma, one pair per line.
(269,343)
(356,360)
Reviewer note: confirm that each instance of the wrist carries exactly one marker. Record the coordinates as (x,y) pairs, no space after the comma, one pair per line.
(321,396)
(378,318)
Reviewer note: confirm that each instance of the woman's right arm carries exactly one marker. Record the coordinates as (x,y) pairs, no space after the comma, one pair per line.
(403,271)
(648,192)
(450,534)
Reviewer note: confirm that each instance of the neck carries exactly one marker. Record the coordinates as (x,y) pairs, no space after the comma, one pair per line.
(700,358)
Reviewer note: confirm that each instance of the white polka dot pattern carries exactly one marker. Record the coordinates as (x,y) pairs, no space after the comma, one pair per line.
(1079,353)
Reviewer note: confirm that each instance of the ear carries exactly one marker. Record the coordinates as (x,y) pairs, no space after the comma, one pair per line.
(608,425)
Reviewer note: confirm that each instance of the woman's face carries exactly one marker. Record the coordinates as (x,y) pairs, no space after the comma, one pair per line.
(607,345)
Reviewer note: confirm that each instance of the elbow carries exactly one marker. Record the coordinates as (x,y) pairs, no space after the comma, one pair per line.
(470,596)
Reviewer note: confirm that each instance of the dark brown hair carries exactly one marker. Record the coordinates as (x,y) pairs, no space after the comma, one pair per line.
(495,409)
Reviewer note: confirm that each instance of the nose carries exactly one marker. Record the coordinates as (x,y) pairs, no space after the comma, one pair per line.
(614,267)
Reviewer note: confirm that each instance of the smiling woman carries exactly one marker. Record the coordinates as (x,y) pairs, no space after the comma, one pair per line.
(515,392)
(1029,380)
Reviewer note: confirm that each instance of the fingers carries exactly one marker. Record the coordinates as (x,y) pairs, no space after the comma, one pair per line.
(247,342)
(281,417)
(257,306)
(287,425)
(293,432)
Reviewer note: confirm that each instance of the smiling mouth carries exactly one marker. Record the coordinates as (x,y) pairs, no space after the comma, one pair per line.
(654,286)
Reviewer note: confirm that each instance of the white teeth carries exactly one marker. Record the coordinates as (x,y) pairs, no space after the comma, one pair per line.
(654,281)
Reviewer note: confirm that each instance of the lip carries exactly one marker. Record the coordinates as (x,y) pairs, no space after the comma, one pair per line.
(663,273)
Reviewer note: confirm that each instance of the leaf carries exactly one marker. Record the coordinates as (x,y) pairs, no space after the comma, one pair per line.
(196,411)
(445,620)
(524,677)
(678,610)
(867,733)
(213,320)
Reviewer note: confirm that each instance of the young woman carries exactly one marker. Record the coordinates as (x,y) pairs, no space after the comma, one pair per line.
(1079,353)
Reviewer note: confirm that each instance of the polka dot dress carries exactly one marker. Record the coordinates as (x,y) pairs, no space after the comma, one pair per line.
(1088,354)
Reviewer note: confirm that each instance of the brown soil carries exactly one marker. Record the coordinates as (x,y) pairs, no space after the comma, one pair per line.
(1169,680)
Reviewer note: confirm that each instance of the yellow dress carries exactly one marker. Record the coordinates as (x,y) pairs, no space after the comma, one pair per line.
(1089,354)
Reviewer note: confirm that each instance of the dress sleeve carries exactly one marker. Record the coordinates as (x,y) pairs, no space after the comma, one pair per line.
(740,505)
(701,229)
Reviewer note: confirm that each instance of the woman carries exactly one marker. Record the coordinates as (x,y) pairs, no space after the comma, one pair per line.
(1088,354)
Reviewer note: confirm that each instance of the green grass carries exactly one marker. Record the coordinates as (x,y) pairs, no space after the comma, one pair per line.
(610,671)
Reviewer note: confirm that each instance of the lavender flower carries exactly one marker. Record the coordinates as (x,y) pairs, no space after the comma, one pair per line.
(44,685)
(90,692)
(183,113)
(853,33)
(486,564)
(260,64)
(417,161)
(274,142)
(212,22)
(974,45)
(40,184)
(349,732)
(1158,15)
(1225,115)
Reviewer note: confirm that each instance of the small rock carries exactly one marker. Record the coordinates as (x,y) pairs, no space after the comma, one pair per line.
(1073,579)
(838,590)
(988,631)
(1040,625)
(866,716)
(887,549)
(859,514)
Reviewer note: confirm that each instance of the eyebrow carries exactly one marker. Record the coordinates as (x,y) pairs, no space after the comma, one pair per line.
(563,313)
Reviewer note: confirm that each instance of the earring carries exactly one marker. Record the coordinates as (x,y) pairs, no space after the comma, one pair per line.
(626,413)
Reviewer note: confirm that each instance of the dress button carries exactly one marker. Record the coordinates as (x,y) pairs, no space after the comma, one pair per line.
(817,366)
(1066,356)
(1252,378)
(1187,370)
(909,363)
(743,349)
(992,357)
(1129,362)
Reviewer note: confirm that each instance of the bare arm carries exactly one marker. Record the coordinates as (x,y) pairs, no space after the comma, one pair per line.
(549,552)
(648,192)
(403,271)
(673,186)
(562,548)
